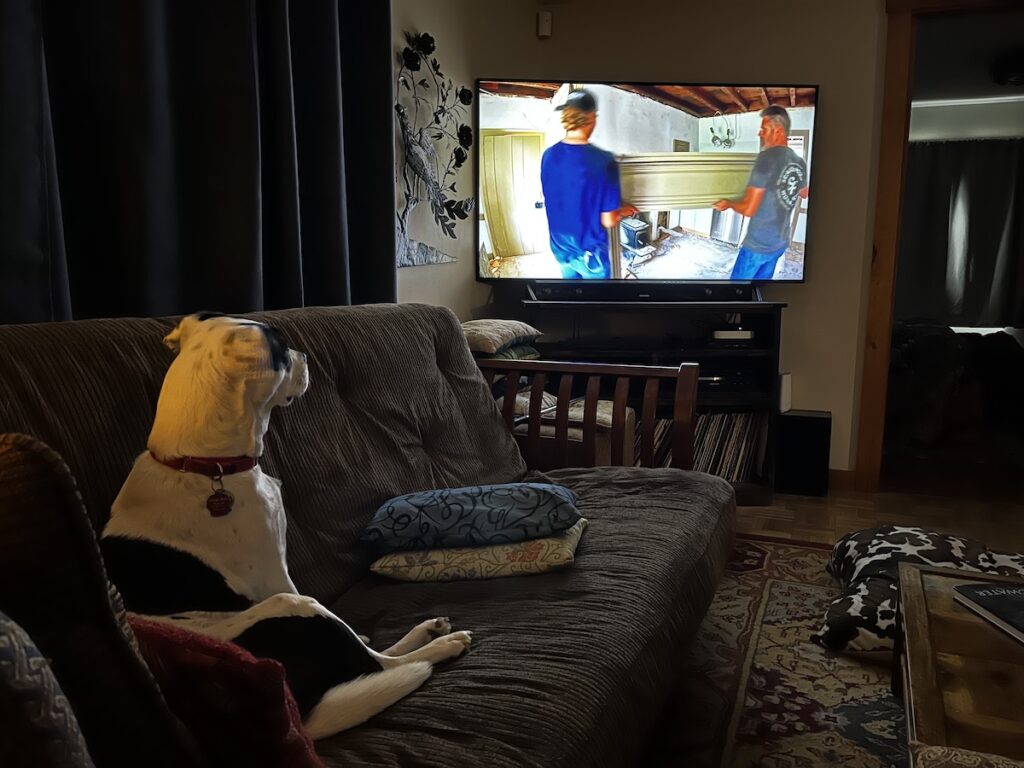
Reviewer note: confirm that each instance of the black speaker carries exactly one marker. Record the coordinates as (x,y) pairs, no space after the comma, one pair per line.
(802,446)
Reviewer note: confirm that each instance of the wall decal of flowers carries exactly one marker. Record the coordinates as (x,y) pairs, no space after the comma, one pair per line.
(435,136)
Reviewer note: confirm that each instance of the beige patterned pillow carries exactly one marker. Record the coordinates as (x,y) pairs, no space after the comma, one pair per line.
(522,407)
(488,337)
(952,757)
(536,556)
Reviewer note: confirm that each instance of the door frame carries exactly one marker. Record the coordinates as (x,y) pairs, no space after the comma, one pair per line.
(899,63)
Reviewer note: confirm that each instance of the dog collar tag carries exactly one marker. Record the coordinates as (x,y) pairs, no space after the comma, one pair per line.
(220,503)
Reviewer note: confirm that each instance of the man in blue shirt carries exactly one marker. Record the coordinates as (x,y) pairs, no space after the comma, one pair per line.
(778,182)
(581,193)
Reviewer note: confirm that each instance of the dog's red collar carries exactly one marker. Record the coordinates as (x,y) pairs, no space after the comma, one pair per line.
(216,467)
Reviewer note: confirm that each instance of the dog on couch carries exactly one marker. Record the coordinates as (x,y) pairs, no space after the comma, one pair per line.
(197,534)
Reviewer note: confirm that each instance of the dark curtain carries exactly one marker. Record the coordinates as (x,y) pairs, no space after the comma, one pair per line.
(961,259)
(163,156)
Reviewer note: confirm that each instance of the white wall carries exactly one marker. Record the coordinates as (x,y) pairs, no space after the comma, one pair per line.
(746,126)
(627,123)
(837,45)
(944,121)
(517,113)
(451,285)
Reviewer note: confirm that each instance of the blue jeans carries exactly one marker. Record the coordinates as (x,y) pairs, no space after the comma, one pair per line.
(751,265)
(587,265)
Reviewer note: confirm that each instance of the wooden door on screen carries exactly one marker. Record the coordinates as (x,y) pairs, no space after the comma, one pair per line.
(513,203)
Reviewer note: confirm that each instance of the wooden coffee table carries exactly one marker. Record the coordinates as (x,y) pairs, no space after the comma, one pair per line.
(962,679)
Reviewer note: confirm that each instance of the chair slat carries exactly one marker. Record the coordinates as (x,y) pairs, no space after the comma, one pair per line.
(533,428)
(562,419)
(683,416)
(590,421)
(647,423)
(508,411)
(619,420)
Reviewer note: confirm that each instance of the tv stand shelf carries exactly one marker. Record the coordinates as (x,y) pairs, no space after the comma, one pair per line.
(735,377)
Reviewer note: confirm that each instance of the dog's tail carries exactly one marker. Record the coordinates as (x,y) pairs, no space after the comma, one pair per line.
(349,704)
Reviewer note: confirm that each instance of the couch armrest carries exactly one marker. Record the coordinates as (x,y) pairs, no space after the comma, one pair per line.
(681,380)
(52,583)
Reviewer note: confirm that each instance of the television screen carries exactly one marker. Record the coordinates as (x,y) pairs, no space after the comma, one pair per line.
(624,181)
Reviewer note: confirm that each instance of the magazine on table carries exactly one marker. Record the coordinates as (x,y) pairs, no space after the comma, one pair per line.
(1001,604)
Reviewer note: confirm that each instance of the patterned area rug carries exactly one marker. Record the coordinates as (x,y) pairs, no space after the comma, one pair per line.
(760,693)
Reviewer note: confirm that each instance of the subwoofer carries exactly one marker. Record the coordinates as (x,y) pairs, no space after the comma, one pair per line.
(802,445)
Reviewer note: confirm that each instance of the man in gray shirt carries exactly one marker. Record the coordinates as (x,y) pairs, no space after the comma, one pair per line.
(777,183)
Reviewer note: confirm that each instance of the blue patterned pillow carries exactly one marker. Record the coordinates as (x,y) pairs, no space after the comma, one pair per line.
(477,516)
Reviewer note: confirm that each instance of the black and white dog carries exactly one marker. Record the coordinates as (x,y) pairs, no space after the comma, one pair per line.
(197,534)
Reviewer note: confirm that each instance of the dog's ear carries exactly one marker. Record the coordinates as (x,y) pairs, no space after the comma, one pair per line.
(173,339)
(176,338)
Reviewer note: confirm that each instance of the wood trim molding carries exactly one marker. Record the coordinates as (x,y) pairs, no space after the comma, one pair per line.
(895,125)
(842,480)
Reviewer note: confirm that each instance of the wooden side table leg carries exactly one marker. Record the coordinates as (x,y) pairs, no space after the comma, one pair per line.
(896,683)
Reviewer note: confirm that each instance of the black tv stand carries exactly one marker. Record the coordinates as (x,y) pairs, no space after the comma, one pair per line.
(631,291)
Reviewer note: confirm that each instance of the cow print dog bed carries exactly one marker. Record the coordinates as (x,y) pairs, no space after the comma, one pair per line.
(866,563)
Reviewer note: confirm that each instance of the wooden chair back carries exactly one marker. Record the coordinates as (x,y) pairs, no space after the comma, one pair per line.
(684,400)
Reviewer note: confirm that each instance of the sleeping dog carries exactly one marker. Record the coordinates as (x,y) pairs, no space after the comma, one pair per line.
(197,534)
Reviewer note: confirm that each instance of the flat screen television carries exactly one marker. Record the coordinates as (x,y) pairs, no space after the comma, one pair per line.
(643,181)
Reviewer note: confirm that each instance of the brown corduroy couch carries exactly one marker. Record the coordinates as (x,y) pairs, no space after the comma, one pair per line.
(570,668)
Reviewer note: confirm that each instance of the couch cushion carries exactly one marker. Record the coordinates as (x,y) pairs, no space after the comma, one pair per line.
(566,668)
(396,404)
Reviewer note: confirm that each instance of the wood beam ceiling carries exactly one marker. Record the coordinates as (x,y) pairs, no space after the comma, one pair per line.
(705,99)
(663,97)
(733,94)
(531,90)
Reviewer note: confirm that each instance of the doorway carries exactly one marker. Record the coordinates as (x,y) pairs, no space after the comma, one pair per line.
(954,414)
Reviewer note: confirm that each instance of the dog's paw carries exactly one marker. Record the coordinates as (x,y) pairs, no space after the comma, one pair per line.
(455,644)
(439,626)
(461,639)
(447,646)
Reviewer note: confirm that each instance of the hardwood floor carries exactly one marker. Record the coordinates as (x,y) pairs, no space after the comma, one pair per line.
(1000,525)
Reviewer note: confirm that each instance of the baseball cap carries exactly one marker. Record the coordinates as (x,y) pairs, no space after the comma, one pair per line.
(582,100)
